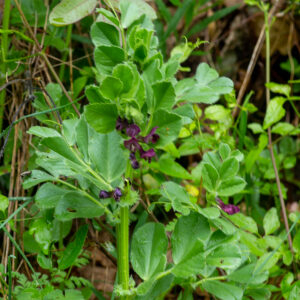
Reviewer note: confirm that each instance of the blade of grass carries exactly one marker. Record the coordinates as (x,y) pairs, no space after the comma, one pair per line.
(216,16)
(9,277)
(21,253)
(4,48)
(15,213)
(38,113)
(177,17)
(163,10)
(65,55)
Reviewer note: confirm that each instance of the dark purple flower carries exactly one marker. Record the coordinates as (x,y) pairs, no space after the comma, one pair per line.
(103,194)
(134,163)
(132,130)
(117,194)
(230,209)
(147,155)
(133,145)
(121,124)
(152,136)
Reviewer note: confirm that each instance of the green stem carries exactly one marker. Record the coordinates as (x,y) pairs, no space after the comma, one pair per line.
(124,248)
(65,55)
(4,48)
(268,96)
(209,279)
(120,27)
(267,31)
(123,240)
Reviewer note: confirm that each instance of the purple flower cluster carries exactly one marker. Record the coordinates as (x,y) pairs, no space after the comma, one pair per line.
(230,209)
(133,144)
(117,194)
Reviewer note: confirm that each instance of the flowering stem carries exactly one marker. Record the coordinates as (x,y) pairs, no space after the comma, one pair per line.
(123,249)
(123,241)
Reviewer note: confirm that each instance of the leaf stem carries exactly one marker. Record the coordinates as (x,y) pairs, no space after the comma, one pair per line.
(209,279)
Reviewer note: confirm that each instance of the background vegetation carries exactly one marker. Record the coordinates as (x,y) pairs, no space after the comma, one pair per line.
(228,75)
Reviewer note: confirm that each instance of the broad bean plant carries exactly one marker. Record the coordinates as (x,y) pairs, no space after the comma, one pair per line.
(128,147)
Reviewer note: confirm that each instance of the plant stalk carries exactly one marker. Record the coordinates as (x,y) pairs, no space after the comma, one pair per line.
(268,96)
(4,49)
(65,55)
(123,239)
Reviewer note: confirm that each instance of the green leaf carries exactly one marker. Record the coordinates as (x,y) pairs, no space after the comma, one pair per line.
(156,288)
(188,239)
(164,96)
(208,87)
(108,15)
(218,113)
(224,225)
(271,221)
(275,112)
(102,117)
(187,112)
(283,128)
(238,155)
(71,11)
(125,74)
(253,155)
(37,177)
(44,262)
(140,53)
(93,94)
(213,159)
(60,146)
(256,128)
(224,151)
(296,241)
(267,261)
(76,205)
(43,132)
(283,89)
(68,130)
(107,155)
(169,167)
(229,257)
(79,85)
(82,137)
(244,222)
(48,195)
(210,177)
(251,242)
(246,275)
(169,125)
(222,290)
(148,250)
(132,10)
(177,195)
(229,187)
(73,249)
(229,168)
(111,88)
(3,203)
(295,292)
(104,34)
(210,212)
(107,57)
